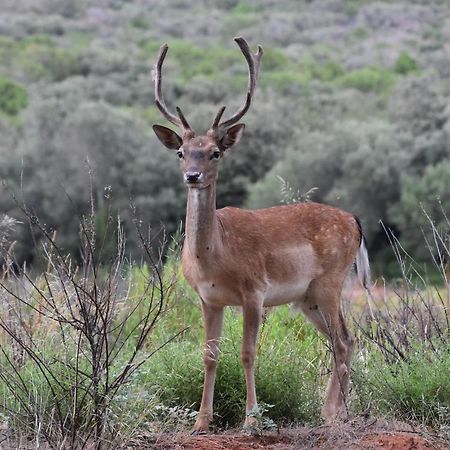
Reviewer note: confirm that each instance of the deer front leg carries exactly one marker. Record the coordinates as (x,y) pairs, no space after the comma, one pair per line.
(212,319)
(252,318)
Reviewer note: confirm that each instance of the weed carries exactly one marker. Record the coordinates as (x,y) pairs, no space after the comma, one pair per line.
(263,423)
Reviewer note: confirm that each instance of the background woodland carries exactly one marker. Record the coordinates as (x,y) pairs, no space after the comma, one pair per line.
(353,99)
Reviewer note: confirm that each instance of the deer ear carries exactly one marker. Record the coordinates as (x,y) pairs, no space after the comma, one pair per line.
(168,137)
(232,136)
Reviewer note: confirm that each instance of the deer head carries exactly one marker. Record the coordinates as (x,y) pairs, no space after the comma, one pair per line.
(200,155)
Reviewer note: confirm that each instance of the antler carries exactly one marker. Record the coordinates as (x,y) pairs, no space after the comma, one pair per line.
(179,121)
(253,61)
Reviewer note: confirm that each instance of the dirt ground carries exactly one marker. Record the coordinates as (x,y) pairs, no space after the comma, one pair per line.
(367,434)
(356,434)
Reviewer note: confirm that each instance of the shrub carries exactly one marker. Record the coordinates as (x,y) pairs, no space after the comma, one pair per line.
(46,61)
(418,104)
(329,71)
(421,211)
(274,59)
(404,359)
(72,337)
(286,80)
(13,97)
(368,79)
(405,64)
(415,390)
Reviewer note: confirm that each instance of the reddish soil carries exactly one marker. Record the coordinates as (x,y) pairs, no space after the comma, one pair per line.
(353,435)
(394,441)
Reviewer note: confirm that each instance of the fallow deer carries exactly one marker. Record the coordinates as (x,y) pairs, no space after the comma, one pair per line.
(298,254)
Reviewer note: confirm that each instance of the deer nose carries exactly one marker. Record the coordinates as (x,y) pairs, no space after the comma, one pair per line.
(192,177)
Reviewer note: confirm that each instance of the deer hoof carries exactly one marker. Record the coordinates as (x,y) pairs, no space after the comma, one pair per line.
(331,413)
(201,425)
(198,432)
(251,426)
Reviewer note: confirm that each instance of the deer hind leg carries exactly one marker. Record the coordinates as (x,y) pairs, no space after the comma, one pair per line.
(322,307)
(252,312)
(213,320)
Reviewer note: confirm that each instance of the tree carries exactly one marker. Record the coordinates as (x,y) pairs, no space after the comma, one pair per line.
(355,165)
(424,205)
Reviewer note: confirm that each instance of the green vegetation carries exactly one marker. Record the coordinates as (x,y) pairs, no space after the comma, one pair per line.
(414,390)
(405,64)
(289,353)
(369,79)
(13,97)
(76,82)
(114,351)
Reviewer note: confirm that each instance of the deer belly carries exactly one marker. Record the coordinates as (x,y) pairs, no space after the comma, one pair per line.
(215,293)
(282,293)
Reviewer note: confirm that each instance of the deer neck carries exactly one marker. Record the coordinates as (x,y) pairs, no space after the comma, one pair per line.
(202,230)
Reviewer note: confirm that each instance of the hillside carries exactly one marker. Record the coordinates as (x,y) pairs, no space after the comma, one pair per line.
(352,99)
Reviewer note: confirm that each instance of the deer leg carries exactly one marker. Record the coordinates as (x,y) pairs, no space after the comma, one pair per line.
(213,320)
(252,318)
(322,307)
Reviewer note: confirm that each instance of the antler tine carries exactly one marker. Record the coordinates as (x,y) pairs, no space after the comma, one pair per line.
(253,61)
(179,121)
(215,125)
(183,120)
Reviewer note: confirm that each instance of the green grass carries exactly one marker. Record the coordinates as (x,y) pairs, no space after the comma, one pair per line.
(416,390)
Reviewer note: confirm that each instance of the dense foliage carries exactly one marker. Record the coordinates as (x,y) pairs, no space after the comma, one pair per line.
(353,99)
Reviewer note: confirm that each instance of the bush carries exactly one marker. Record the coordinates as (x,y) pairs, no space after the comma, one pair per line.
(329,71)
(404,358)
(424,203)
(286,81)
(419,105)
(42,59)
(405,64)
(415,390)
(274,59)
(13,97)
(72,338)
(368,79)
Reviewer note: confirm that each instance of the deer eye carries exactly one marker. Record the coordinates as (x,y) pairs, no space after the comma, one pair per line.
(215,155)
(180,154)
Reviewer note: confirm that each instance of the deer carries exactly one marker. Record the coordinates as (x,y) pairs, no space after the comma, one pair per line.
(298,254)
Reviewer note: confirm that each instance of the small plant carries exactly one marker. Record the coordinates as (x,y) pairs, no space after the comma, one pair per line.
(174,417)
(290,195)
(262,422)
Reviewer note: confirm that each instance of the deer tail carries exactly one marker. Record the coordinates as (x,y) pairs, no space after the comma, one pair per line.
(362,260)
